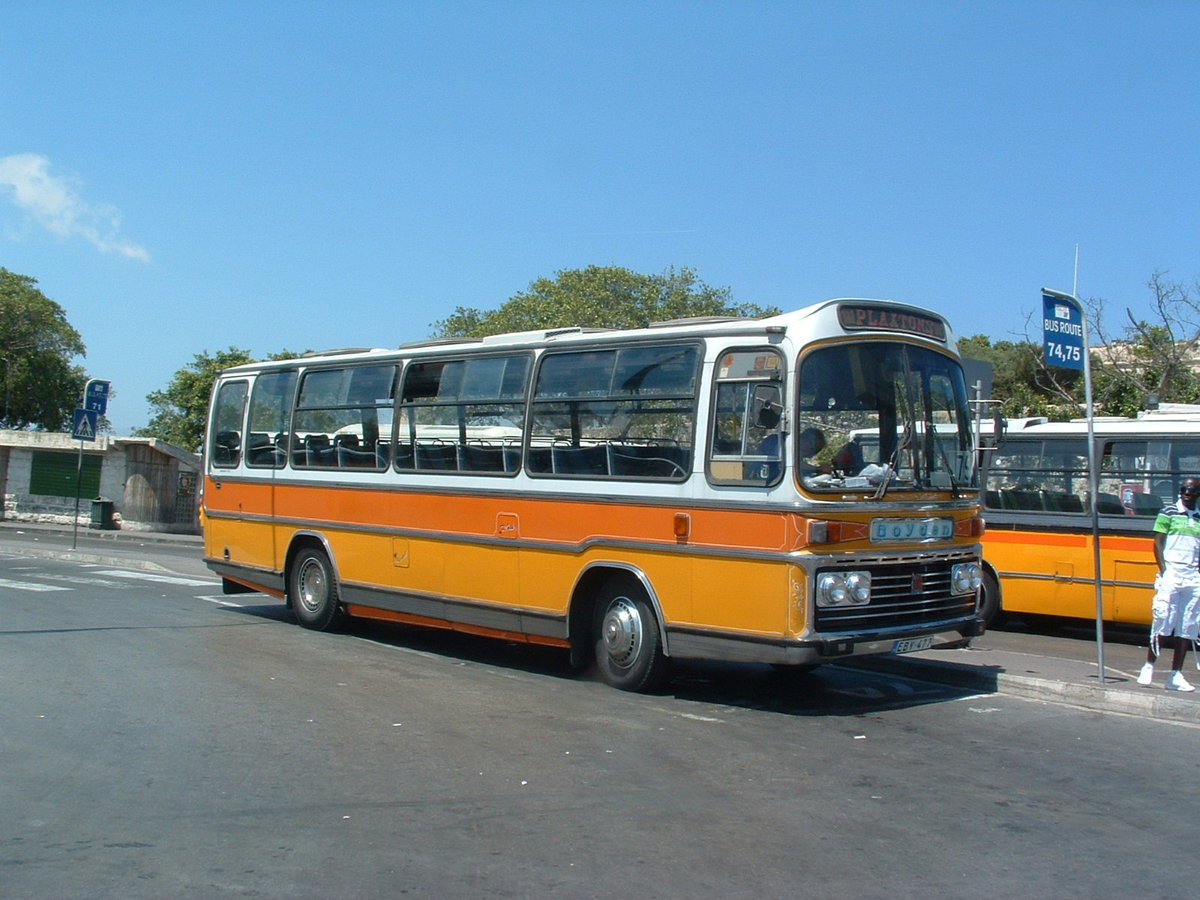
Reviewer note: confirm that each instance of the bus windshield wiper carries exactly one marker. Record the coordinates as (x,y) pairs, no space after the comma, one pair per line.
(905,439)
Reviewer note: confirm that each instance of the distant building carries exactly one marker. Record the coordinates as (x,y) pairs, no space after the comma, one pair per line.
(136,484)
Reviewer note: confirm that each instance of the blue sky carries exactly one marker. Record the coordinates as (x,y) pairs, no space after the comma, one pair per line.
(183,177)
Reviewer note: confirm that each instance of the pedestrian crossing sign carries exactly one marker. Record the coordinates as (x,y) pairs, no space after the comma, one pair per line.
(86,422)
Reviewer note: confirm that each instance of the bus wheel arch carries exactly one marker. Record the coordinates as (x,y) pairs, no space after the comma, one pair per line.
(313,593)
(615,621)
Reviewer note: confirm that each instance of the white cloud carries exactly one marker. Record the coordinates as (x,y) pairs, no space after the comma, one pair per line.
(53,201)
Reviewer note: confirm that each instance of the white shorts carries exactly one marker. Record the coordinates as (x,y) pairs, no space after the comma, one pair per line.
(1176,606)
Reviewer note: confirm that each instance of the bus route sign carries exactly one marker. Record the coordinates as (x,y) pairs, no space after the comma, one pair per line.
(1062,331)
(95,396)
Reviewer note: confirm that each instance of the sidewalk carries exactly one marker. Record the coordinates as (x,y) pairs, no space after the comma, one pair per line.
(1036,666)
(1060,670)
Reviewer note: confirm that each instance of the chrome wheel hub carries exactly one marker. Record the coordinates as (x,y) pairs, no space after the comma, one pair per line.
(622,631)
(312,586)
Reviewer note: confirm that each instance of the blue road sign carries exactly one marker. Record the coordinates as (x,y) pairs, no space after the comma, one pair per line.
(95,396)
(1062,331)
(86,422)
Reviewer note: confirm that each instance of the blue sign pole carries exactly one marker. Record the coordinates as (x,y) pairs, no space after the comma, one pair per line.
(1065,345)
(85,428)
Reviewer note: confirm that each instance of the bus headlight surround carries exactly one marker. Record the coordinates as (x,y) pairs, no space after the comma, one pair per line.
(965,578)
(844,589)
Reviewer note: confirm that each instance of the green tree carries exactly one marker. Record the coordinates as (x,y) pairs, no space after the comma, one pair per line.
(41,386)
(1021,381)
(1152,359)
(599,297)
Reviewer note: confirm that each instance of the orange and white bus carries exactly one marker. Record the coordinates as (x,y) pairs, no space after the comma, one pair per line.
(630,496)
(1038,551)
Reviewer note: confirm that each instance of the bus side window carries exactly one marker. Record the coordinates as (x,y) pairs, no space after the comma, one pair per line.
(747,441)
(626,412)
(463,415)
(341,414)
(270,412)
(229,407)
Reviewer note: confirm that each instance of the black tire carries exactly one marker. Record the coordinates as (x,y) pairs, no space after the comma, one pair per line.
(989,599)
(313,590)
(628,643)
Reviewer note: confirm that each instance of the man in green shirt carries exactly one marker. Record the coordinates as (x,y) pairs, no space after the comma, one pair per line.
(1177,588)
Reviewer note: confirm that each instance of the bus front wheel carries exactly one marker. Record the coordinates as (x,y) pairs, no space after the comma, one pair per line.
(628,644)
(989,599)
(313,590)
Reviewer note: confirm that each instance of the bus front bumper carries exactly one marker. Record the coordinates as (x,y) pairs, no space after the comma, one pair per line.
(819,649)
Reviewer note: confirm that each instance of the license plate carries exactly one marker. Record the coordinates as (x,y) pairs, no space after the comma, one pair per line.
(912,645)
(899,531)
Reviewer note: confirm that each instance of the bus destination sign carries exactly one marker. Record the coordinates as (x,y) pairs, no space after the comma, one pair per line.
(864,317)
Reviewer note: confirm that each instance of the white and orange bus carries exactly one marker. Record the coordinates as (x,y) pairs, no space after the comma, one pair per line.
(630,496)
(1038,550)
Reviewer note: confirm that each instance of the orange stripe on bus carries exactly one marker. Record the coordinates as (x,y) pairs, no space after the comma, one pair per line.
(1017,537)
(1041,538)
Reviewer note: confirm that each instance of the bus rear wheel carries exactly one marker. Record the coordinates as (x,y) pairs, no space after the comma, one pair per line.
(313,590)
(628,643)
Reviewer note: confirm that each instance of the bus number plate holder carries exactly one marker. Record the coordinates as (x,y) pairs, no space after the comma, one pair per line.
(902,531)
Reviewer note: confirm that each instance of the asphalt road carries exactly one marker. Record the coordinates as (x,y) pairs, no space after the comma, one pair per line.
(156,741)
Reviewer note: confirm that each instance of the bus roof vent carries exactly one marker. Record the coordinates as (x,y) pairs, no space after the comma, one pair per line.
(339,351)
(698,320)
(576,329)
(440,342)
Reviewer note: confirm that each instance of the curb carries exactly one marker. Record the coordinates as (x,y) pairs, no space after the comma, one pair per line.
(97,559)
(1151,703)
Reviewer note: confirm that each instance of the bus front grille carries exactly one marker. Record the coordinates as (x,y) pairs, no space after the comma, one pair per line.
(903,596)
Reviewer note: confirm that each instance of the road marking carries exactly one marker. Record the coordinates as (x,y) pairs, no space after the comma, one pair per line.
(80,580)
(221,601)
(698,718)
(161,579)
(31,586)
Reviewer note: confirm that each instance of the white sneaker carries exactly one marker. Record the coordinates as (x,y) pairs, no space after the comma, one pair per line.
(1146,675)
(1178,683)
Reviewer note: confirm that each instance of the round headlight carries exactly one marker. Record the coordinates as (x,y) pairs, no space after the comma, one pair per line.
(961,580)
(858,584)
(831,589)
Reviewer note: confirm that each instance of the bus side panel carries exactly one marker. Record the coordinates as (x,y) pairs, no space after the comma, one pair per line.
(1043,576)
(237,523)
(1052,574)
(1133,571)
(742,596)
(421,543)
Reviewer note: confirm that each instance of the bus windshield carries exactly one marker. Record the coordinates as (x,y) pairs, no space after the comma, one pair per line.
(883,416)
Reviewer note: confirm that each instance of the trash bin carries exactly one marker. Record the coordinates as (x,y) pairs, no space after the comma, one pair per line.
(102,514)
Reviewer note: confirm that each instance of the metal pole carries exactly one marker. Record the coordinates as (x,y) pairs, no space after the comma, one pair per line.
(7,391)
(79,471)
(1093,482)
(1094,486)
(78,488)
